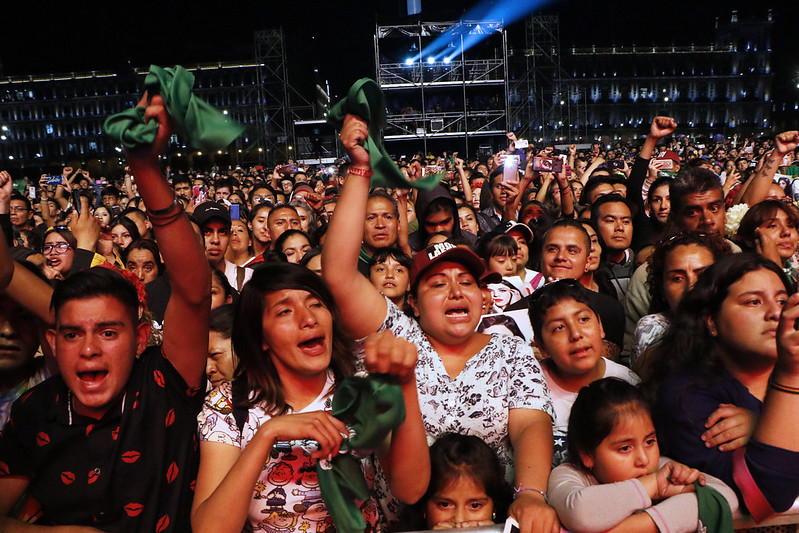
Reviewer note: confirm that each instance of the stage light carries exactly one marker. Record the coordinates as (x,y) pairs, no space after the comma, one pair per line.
(431,60)
(409,61)
(447,60)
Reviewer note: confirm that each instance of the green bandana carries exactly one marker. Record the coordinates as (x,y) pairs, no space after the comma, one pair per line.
(366,100)
(371,407)
(198,123)
(714,511)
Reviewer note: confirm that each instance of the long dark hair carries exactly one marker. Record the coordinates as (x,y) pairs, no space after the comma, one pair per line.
(256,379)
(687,343)
(717,246)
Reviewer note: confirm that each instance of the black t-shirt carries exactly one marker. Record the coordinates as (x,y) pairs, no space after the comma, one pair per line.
(132,470)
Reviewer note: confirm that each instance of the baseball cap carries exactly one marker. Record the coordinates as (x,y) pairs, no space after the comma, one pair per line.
(670,154)
(301,189)
(511,225)
(207,211)
(446,251)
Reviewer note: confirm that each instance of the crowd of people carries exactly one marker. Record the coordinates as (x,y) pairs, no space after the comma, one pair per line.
(171,342)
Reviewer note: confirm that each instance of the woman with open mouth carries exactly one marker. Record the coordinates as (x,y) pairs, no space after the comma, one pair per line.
(268,428)
(486,385)
(59,251)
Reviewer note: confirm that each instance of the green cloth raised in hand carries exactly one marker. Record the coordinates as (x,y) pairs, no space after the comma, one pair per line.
(199,124)
(365,99)
(714,511)
(371,407)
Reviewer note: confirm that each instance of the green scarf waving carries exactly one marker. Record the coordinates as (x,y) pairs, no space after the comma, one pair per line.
(198,123)
(366,100)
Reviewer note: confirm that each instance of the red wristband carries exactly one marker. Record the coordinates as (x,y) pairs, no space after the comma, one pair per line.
(365,172)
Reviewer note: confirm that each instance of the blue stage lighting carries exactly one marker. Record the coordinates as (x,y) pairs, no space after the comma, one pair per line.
(447,60)
(431,60)
(409,61)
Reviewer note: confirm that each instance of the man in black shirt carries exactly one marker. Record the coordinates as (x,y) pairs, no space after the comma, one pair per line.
(110,443)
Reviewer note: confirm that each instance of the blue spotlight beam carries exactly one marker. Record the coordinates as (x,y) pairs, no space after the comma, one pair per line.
(469,33)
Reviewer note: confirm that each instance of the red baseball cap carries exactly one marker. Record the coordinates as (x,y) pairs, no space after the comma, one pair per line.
(446,251)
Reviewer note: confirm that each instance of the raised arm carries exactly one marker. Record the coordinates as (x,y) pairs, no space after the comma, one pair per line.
(467,189)
(566,195)
(591,168)
(362,306)
(402,221)
(186,316)
(661,127)
(758,186)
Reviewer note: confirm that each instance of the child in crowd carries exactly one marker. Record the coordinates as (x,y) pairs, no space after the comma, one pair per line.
(569,334)
(467,487)
(616,476)
(499,252)
(389,271)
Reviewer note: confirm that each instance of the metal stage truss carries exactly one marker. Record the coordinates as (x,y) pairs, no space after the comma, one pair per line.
(459,94)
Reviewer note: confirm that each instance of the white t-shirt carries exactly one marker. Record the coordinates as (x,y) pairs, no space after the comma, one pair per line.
(563,401)
(286,498)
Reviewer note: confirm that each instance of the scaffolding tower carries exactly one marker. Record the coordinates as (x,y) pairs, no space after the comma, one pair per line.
(274,125)
(540,106)
(456,96)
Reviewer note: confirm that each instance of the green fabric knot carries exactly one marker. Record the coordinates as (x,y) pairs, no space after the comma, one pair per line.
(371,407)
(714,511)
(199,124)
(365,99)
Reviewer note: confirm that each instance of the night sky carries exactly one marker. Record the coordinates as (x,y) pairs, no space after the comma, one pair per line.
(334,37)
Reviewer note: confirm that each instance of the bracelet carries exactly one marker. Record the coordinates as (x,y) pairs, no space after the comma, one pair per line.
(164,211)
(782,388)
(519,490)
(365,172)
(164,217)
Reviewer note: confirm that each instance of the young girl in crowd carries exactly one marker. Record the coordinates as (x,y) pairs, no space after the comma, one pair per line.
(615,470)
(569,334)
(499,252)
(292,352)
(467,487)
(389,271)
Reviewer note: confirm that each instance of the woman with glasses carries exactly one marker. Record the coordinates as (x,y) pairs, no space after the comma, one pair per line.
(59,251)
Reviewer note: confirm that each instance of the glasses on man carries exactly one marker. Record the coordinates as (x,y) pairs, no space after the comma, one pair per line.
(17,208)
(58,247)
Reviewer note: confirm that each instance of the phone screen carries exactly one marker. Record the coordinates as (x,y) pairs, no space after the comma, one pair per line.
(235,211)
(510,168)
